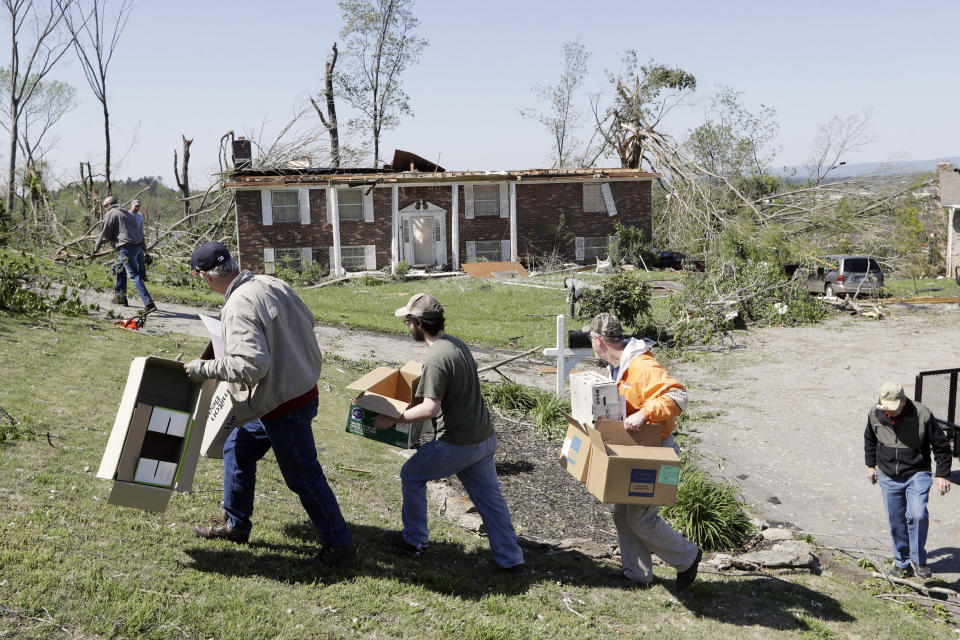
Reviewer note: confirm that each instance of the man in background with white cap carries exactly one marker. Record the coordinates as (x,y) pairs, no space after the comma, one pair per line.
(272,362)
(120,288)
(648,394)
(124,230)
(897,446)
(450,393)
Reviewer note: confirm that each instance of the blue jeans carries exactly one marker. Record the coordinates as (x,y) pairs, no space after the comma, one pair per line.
(129,261)
(293,446)
(473,464)
(906,504)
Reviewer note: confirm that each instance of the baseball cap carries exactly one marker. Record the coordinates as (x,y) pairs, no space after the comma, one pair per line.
(422,305)
(134,203)
(606,325)
(209,255)
(891,395)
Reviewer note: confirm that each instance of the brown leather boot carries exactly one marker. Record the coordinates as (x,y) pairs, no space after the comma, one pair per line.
(220,529)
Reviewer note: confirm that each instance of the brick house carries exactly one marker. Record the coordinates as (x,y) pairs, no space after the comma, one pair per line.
(433,217)
(948,179)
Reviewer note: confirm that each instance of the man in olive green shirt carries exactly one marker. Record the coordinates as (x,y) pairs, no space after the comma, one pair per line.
(465,443)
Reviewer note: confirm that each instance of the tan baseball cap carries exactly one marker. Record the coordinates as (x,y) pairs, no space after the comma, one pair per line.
(605,325)
(891,395)
(422,305)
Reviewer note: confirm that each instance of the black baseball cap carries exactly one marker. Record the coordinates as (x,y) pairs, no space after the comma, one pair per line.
(209,255)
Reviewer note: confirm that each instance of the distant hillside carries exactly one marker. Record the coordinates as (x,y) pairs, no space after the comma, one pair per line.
(883,168)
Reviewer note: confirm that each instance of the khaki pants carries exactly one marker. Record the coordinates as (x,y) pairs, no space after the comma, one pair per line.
(642,532)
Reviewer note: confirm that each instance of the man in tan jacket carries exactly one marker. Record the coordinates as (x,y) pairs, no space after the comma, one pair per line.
(272,362)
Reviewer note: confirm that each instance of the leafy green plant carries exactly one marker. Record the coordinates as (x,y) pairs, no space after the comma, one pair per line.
(25,290)
(708,512)
(631,247)
(302,277)
(538,406)
(624,295)
(401,270)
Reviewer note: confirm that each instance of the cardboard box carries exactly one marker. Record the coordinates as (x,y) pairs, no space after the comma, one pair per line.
(593,396)
(387,391)
(620,466)
(154,445)
(222,419)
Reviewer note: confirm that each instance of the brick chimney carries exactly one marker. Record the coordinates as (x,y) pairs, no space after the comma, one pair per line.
(242,154)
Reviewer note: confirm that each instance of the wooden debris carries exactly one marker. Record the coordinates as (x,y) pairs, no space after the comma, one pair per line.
(494,269)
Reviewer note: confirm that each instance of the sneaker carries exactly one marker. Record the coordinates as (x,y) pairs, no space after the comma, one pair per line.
(335,557)
(621,578)
(396,540)
(901,572)
(922,571)
(514,571)
(150,308)
(220,531)
(122,301)
(686,577)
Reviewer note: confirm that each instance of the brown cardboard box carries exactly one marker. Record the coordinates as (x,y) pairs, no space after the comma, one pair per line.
(135,443)
(620,466)
(389,392)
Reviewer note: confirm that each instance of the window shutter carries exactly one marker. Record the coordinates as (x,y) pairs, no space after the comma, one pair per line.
(504,200)
(471,250)
(608,199)
(266,203)
(368,205)
(468,201)
(304,196)
(578,247)
(370,255)
(307,254)
(269,265)
(505,250)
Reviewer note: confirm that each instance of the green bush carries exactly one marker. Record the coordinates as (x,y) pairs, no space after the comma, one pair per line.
(709,513)
(303,277)
(401,270)
(631,247)
(624,295)
(538,406)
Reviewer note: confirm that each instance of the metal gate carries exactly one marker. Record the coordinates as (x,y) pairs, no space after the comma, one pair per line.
(937,390)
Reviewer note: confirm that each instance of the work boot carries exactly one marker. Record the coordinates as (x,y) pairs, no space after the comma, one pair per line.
(514,571)
(686,577)
(335,557)
(396,540)
(922,571)
(900,572)
(150,307)
(220,529)
(121,300)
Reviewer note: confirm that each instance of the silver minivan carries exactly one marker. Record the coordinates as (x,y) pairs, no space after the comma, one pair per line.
(838,275)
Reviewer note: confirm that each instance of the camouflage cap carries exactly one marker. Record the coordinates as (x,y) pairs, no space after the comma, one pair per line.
(422,305)
(891,395)
(605,325)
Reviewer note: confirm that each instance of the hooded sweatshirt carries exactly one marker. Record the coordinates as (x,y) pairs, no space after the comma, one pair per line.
(644,384)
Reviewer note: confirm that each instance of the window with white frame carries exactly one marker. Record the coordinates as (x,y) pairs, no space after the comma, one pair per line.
(290,259)
(593,201)
(353,258)
(596,247)
(350,204)
(488,250)
(486,200)
(285,206)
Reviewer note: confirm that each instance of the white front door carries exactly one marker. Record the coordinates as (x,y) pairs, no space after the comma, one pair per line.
(422,239)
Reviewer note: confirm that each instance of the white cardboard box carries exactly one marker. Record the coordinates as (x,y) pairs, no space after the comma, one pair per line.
(593,396)
(138,458)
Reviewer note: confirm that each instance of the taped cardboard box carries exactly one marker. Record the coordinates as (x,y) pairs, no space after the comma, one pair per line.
(154,445)
(620,466)
(222,416)
(388,391)
(593,396)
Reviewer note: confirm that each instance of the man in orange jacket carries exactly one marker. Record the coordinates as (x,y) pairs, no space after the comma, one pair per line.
(648,394)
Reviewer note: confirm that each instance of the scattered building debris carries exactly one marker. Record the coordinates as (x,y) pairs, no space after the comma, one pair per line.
(494,269)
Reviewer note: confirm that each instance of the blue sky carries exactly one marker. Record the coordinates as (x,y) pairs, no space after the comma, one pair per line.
(202,68)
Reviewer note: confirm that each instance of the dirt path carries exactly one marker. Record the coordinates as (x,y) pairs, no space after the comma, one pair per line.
(792,407)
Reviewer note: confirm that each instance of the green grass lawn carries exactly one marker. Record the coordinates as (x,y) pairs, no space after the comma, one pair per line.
(907,288)
(72,566)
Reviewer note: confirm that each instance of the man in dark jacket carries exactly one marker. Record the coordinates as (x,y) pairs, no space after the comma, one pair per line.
(124,231)
(897,448)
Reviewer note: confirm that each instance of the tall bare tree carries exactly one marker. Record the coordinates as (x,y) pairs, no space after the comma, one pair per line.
(181,175)
(330,121)
(559,114)
(37,43)
(51,101)
(96,32)
(380,46)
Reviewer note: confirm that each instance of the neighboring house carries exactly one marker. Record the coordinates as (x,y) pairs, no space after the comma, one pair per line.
(384,216)
(949,182)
